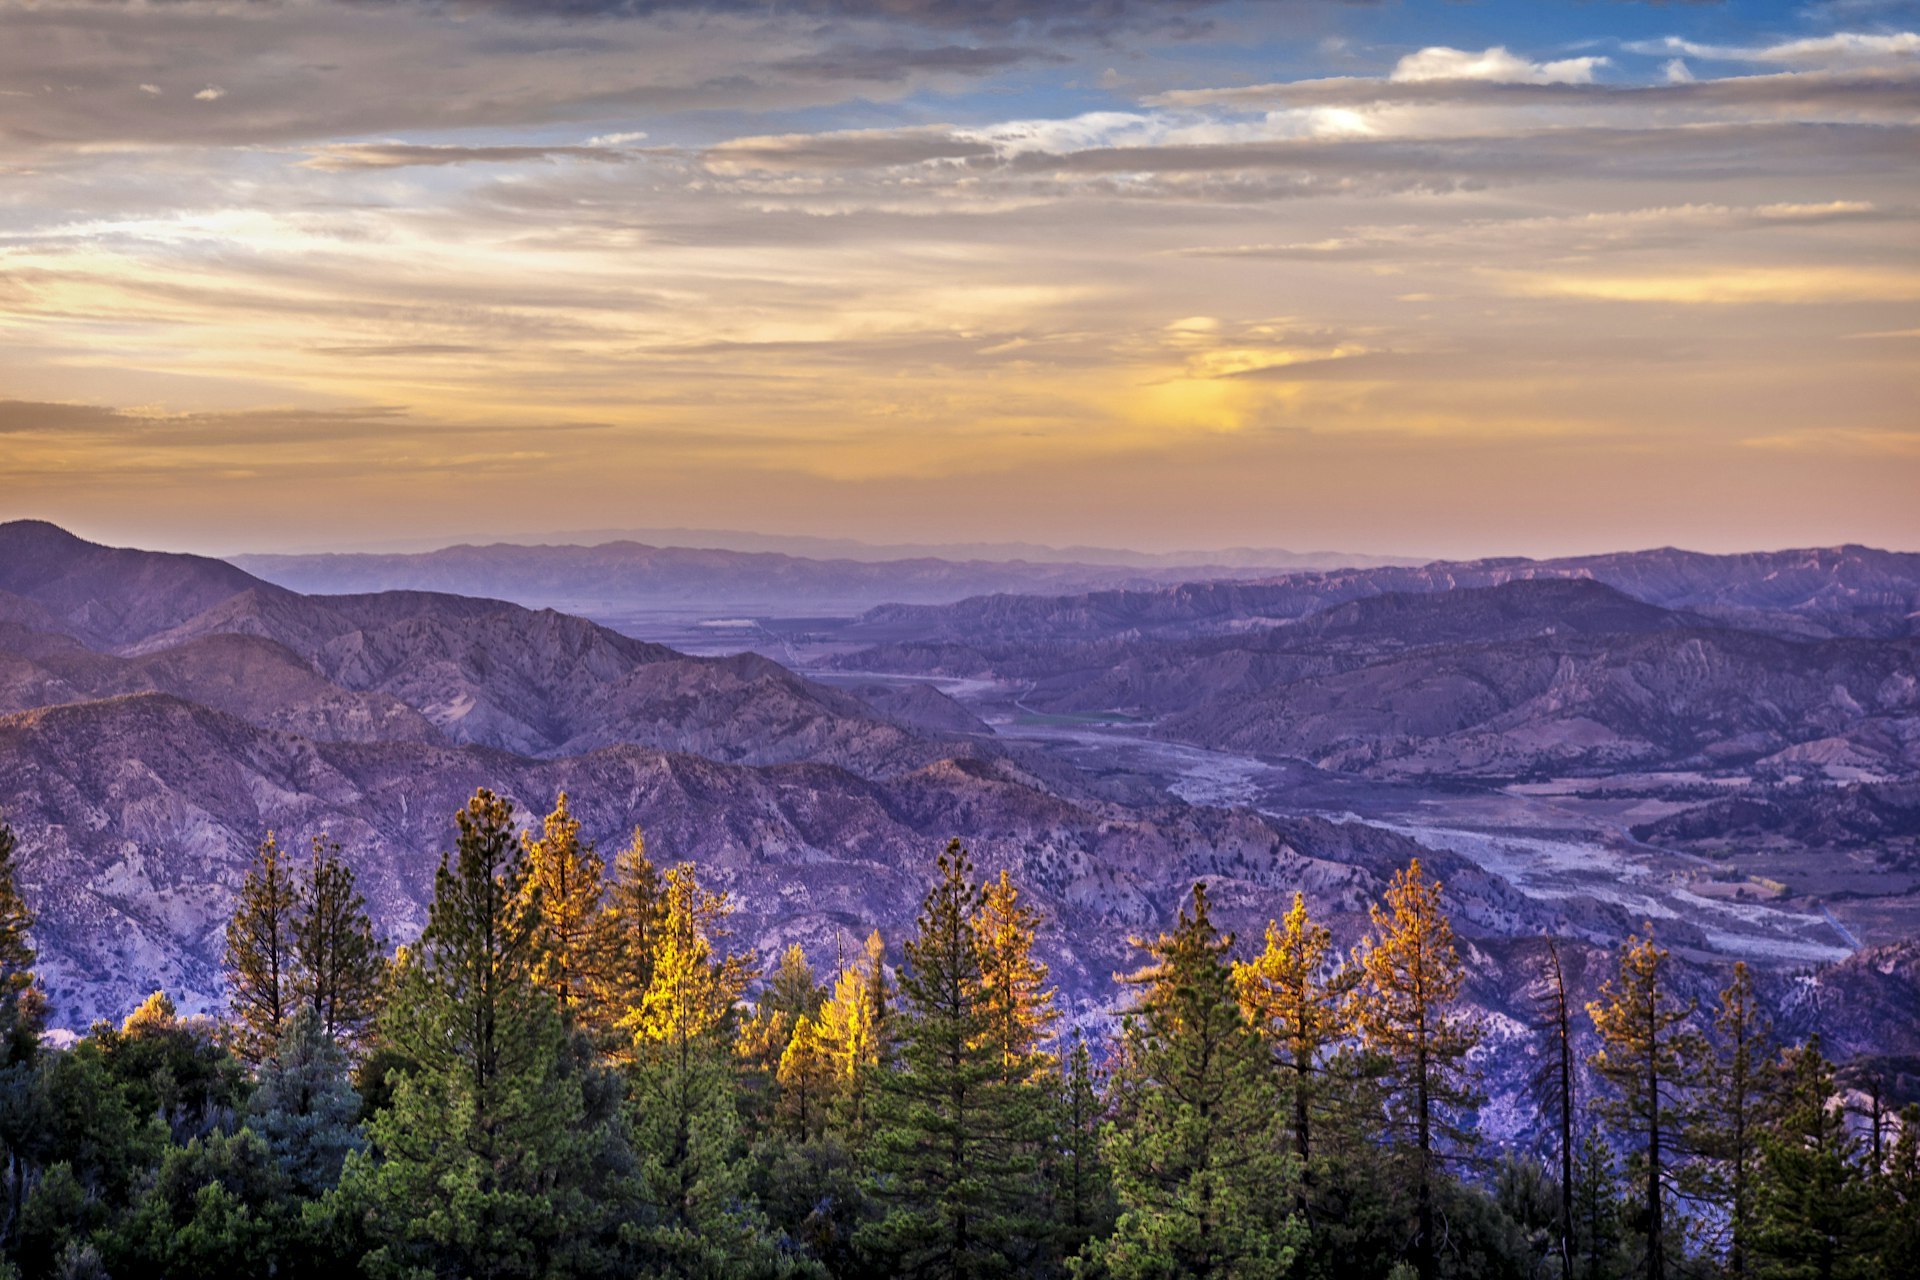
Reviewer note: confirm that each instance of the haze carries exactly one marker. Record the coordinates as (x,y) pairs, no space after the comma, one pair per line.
(1418,278)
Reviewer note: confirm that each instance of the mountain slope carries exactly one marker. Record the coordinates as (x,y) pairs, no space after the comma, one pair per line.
(407,664)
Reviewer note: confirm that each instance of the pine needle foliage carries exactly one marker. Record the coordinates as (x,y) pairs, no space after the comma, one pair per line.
(1648,1054)
(1296,996)
(1199,1157)
(629,934)
(261,952)
(569,879)
(951,1163)
(1407,1016)
(339,971)
(1738,1088)
(22,1004)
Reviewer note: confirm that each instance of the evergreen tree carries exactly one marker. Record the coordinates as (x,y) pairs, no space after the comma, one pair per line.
(1014,997)
(1406,1016)
(339,971)
(175,1068)
(305,1108)
(569,879)
(1200,1164)
(1812,1200)
(1082,1190)
(1553,1088)
(949,1157)
(1897,1200)
(260,952)
(791,989)
(22,1005)
(806,1081)
(22,1010)
(1647,1054)
(1597,1218)
(629,930)
(484,1153)
(852,1025)
(1735,1111)
(1299,1003)
(684,1114)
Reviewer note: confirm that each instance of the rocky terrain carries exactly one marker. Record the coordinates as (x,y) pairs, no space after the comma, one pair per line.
(85,622)
(1530,678)
(1818,591)
(159,714)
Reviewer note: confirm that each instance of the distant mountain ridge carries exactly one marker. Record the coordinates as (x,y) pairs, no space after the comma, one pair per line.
(1831,590)
(1530,676)
(626,575)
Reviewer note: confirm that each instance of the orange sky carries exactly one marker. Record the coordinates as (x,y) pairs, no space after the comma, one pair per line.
(307,274)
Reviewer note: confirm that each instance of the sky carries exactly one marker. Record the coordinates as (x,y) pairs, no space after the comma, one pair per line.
(1438,279)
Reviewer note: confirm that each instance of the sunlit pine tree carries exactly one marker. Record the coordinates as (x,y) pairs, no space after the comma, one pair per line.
(684,1108)
(1296,997)
(629,929)
(1014,996)
(569,878)
(851,1026)
(1648,1053)
(1407,1014)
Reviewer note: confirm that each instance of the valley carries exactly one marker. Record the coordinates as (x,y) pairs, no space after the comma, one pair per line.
(1569,759)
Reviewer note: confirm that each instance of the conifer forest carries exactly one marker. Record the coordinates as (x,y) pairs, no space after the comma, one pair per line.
(576,1071)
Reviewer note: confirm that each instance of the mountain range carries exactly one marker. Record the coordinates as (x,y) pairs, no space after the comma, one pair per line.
(160,713)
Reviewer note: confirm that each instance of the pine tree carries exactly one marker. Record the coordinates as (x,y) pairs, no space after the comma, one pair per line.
(1736,1108)
(339,970)
(304,1106)
(852,1024)
(260,953)
(947,1151)
(1082,1190)
(1298,1003)
(1647,1054)
(22,1010)
(629,928)
(1406,1016)
(569,879)
(790,988)
(1812,1199)
(22,1005)
(1201,1169)
(1596,1210)
(1897,1200)
(686,1125)
(806,1081)
(483,1154)
(1553,1088)
(1014,996)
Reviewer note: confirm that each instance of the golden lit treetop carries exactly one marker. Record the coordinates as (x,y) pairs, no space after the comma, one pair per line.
(693,988)
(1016,1000)
(568,879)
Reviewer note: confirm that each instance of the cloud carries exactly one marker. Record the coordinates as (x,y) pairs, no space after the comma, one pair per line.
(850,149)
(894,63)
(342,156)
(1495,65)
(1841,49)
(1726,287)
(212,93)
